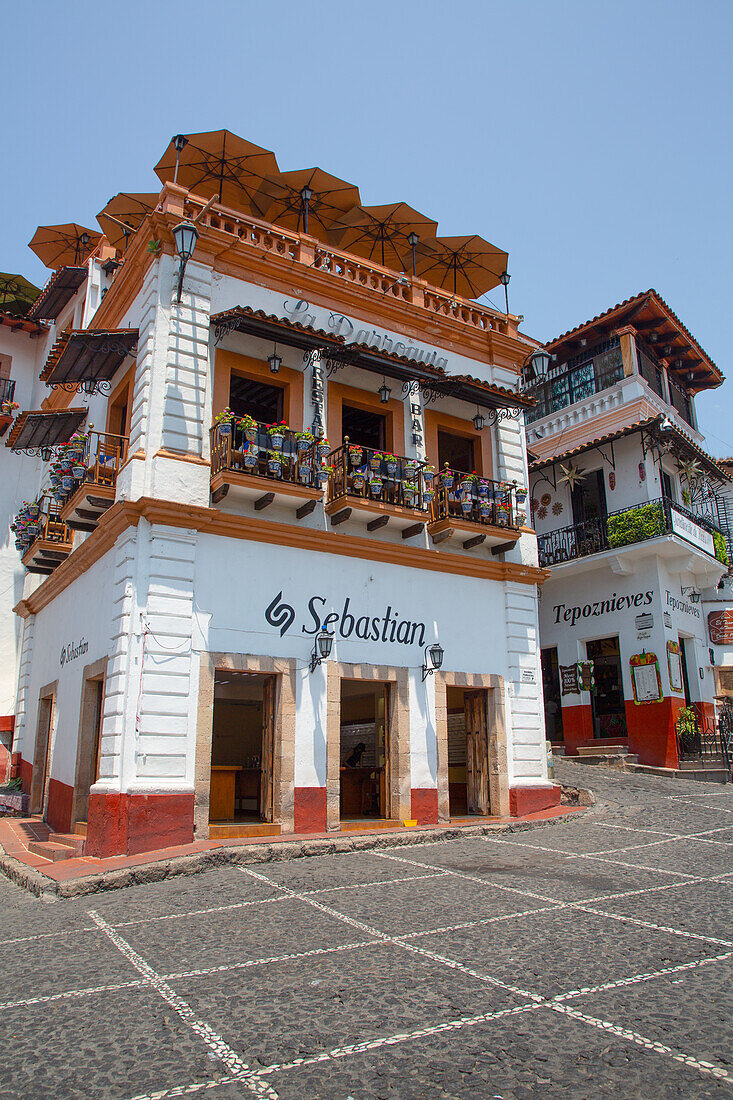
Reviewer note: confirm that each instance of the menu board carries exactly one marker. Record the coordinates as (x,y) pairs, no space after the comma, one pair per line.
(569,680)
(645,678)
(674,664)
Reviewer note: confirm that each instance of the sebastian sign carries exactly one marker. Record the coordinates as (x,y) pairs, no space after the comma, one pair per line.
(73,650)
(348,622)
(692,532)
(720,627)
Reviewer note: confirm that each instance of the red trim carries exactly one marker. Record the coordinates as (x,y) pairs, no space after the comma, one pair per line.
(310,810)
(124,824)
(530,800)
(577,727)
(651,731)
(424,805)
(7,722)
(60,799)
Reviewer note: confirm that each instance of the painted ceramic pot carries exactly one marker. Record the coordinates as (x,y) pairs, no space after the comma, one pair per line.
(323,450)
(276,441)
(301,445)
(250,434)
(225,427)
(376,484)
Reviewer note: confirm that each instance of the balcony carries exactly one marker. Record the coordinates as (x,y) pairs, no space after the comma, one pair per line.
(476,510)
(86,488)
(379,488)
(7,393)
(259,466)
(630,526)
(582,376)
(52,543)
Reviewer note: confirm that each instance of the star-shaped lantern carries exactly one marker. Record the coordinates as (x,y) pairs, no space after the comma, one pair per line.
(691,470)
(572,474)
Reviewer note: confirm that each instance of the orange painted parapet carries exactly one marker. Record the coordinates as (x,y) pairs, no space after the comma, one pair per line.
(651,728)
(125,824)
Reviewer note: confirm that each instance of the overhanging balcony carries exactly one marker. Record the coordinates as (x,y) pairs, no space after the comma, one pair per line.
(378,489)
(629,527)
(261,466)
(52,544)
(7,403)
(474,510)
(86,488)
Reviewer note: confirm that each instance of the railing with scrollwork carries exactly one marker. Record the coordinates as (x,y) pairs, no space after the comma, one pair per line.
(600,369)
(7,390)
(477,499)
(249,448)
(702,740)
(95,461)
(380,476)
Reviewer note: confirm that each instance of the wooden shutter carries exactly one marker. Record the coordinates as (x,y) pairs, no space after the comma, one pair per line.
(477,752)
(268,749)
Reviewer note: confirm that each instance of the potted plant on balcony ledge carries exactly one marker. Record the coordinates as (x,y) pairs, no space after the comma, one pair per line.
(390,462)
(223,421)
(323,447)
(355,455)
(303,440)
(277,433)
(249,427)
(275,463)
(375,485)
(9,407)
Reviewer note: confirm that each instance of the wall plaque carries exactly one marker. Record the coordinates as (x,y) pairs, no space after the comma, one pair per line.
(720,627)
(674,664)
(645,678)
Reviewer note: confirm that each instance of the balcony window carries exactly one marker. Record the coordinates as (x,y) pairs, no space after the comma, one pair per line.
(248,396)
(578,379)
(589,498)
(363,427)
(650,371)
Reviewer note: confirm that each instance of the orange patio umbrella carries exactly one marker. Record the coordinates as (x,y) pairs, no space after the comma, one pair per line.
(468,266)
(386,234)
(219,165)
(17,294)
(308,200)
(123,215)
(63,245)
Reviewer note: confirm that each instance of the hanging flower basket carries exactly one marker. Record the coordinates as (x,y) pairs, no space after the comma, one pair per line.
(67,482)
(484,507)
(323,448)
(483,489)
(322,475)
(355,454)
(248,426)
(303,441)
(390,462)
(78,471)
(358,480)
(466,504)
(428,495)
(375,485)
(446,478)
(409,494)
(502,514)
(224,421)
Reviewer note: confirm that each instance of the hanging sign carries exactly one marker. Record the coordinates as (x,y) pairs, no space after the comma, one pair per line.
(668,619)
(674,664)
(569,680)
(692,532)
(585,675)
(645,678)
(720,627)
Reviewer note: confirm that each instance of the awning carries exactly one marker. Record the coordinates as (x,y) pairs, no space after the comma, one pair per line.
(32,432)
(60,289)
(433,382)
(88,359)
(22,324)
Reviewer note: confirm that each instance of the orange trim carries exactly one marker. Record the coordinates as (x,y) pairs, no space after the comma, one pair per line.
(126,514)
(103,491)
(453,523)
(288,380)
(437,421)
(393,412)
(121,395)
(364,504)
(247,481)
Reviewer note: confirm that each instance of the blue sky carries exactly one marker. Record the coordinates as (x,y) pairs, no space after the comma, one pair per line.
(591,141)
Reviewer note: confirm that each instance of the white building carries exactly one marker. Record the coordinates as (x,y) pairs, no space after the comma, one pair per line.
(625,504)
(170,680)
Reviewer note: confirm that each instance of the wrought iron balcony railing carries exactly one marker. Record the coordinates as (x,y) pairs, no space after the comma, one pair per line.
(95,463)
(478,499)
(246,447)
(599,369)
(372,474)
(7,390)
(625,527)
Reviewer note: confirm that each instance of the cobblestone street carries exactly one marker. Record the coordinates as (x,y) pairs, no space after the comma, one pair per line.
(590,958)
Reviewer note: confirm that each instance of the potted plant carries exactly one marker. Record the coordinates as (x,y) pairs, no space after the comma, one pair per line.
(375,460)
(223,421)
(67,481)
(447,477)
(410,467)
(358,479)
(409,493)
(375,485)
(251,456)
(428,494)
(78,470)
(323,447)
(275,462)
(9,407)
(484,507)
(276,433)
(303,441)
(324,472)
(249,427)
(355,454)
(390,462)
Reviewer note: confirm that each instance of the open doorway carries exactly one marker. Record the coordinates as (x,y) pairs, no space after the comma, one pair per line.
(607,699)
(364,750)
(468,752)
(242,748)
(42,754)
(88,748)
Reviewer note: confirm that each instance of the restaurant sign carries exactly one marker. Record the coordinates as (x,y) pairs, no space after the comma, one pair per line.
(347,623)
(720,627)
(692,532)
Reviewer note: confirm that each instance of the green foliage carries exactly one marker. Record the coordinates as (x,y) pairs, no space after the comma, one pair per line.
(687,729)
(636,525)
(721,551)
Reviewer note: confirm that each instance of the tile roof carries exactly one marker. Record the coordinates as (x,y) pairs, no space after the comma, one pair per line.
(22,324)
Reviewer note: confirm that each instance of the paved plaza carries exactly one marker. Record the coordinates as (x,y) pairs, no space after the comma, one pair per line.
(589,958)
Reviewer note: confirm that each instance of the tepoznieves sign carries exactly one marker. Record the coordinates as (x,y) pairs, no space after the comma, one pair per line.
(349,622)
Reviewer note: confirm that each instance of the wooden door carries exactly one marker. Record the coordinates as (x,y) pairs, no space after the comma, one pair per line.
(51,703)
(477,752)
(267,762)
(385,778)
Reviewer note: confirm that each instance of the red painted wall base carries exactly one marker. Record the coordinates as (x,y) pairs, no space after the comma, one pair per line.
(530,800)
(310,810)
(125,824)
(424,805)
(22,769)
(60,799)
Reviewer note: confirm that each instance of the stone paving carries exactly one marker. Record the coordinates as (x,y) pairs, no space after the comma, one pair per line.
(588,958)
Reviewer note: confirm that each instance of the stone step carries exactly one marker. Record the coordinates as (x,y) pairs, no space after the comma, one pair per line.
(49,850)
(703,775)
(237,830)
(602,748)
(71,840)
(366,824)
(80,828)
(620,758)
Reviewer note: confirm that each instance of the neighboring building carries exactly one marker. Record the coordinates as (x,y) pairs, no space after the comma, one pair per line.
(717,601)
(626,508)
(199,566)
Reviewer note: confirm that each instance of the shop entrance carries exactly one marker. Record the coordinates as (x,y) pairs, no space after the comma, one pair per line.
(42,755)
(364,750)
(468,752)
(607,700)
(242,748)
(88,748)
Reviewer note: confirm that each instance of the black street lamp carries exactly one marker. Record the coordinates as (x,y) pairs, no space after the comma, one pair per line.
(384,392)
(306,195)
(322,647)
(185,235)
(412,241)
(433,653)
(504,280)
(539,360)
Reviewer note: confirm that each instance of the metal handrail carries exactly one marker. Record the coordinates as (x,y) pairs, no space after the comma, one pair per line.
(7,389)
(251,450)
(475,498)
(374,474)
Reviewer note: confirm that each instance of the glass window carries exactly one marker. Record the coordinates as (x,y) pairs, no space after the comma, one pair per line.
(363,427)
(458,451)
